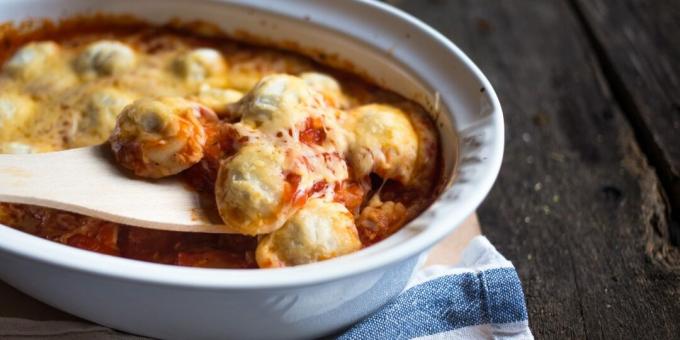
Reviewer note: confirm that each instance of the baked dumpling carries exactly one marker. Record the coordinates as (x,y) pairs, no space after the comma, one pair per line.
(17,148)
(259,188)
(31,60)
(280,104)
(160,137)
(200,65)
(105,58)
(101,110)
(383,142)
(218,99)
(319,231)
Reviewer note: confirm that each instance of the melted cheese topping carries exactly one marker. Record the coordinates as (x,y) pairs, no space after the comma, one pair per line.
(81,88)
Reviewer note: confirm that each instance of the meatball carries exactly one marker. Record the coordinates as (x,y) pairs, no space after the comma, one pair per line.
(104,58)
(327,86)
(280,104)
(319,231)
(199,65)
(31,60)
(384,142)
(160,137)
(258,188)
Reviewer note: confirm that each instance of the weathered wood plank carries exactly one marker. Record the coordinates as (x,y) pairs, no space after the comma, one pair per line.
(575,198)
(639,42)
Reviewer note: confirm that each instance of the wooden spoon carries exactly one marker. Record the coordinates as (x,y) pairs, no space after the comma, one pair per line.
(88,181)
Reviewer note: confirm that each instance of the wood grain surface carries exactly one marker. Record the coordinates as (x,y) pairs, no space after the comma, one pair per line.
(577,206)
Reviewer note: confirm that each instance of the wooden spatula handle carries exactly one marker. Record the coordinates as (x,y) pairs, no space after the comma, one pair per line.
(87,181)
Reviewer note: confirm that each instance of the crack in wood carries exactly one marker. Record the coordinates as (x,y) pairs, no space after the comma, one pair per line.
(653,209)
(670,187)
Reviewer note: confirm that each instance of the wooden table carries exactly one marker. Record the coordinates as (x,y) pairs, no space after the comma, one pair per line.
(588,199)
(587,204)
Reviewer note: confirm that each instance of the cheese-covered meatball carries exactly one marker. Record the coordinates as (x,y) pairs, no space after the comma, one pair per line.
(384,142)
(319,231)
(280,104)
(160,137)
(257,189)
(101,110)
(15,110)
(31,60)
(200,65)
(104,58)
(327,86)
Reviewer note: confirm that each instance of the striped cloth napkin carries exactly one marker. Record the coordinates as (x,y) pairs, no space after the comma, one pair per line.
(480,298)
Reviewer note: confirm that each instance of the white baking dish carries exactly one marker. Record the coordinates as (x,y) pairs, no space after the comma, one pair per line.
(397,51)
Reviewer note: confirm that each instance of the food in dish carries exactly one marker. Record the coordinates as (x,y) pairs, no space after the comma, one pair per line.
(320,230)
(160,137)
(306,162)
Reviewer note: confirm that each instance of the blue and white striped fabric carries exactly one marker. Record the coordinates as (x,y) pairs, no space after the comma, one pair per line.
(480,298)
